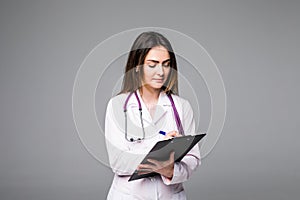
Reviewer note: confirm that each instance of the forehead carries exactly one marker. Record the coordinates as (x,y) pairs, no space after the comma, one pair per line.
(158,53)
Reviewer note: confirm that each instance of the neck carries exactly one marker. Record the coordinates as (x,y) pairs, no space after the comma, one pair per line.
(149,95)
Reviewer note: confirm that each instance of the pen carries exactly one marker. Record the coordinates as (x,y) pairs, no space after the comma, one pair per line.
(162,132)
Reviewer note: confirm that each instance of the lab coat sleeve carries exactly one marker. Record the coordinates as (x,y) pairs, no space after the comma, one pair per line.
(122,159)
(184,169)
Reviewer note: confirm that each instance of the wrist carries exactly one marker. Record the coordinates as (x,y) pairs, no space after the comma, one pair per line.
(170,174)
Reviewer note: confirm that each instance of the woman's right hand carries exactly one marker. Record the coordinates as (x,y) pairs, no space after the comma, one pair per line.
(171,134)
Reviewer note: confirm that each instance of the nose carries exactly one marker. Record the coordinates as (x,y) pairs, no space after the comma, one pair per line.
(160,70)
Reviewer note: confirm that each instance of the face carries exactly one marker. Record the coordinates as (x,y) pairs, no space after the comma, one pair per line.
(156,67)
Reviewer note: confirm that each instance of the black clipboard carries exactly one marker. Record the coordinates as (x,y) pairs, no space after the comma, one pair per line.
(162,149)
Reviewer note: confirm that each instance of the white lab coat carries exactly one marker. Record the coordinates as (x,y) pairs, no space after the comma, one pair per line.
(124,156)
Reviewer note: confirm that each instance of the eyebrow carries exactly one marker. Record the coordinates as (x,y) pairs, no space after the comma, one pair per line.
(155,61)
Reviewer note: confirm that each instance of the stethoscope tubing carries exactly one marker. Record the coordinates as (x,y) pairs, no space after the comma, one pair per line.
(176,115)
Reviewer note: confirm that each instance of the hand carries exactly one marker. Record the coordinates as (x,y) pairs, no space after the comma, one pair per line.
(164,168)
(172,134)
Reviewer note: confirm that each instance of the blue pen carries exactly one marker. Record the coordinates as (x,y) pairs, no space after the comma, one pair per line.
(162,132)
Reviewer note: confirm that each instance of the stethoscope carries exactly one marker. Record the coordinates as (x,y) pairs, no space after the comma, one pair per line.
(176,115)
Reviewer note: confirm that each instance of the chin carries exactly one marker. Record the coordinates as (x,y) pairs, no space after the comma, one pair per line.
(157,86)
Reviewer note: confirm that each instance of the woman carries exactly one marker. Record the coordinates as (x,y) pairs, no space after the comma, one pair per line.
(151,105)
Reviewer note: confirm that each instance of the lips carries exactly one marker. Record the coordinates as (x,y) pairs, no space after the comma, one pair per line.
(158,80)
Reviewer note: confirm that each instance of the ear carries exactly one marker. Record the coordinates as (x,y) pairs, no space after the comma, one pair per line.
(137,69)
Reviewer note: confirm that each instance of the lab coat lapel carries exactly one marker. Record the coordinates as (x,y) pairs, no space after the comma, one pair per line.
(162,109)
(134,109)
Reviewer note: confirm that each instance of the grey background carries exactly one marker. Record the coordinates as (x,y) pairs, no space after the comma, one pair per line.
(254,43)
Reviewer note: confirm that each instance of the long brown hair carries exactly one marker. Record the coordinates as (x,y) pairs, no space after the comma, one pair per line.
(142,45)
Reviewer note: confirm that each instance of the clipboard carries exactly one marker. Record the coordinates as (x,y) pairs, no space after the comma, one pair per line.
(162,149)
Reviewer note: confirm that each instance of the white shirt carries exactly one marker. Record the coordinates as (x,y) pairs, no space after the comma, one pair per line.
(125,156)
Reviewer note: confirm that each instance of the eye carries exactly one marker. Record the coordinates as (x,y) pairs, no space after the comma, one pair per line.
(166,64)
(151,65)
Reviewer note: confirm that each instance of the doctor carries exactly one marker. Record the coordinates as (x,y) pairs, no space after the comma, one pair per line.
(148,104)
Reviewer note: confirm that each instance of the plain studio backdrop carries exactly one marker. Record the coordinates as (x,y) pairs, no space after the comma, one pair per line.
(255,45)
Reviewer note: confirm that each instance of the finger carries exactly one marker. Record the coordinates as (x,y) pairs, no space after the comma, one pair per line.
(159,165)
(177,134)
(171,157)
(155,162)
(145,166)
(144,171)
(172,133)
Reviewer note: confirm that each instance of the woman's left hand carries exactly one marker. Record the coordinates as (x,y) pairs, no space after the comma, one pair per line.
(165,168)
